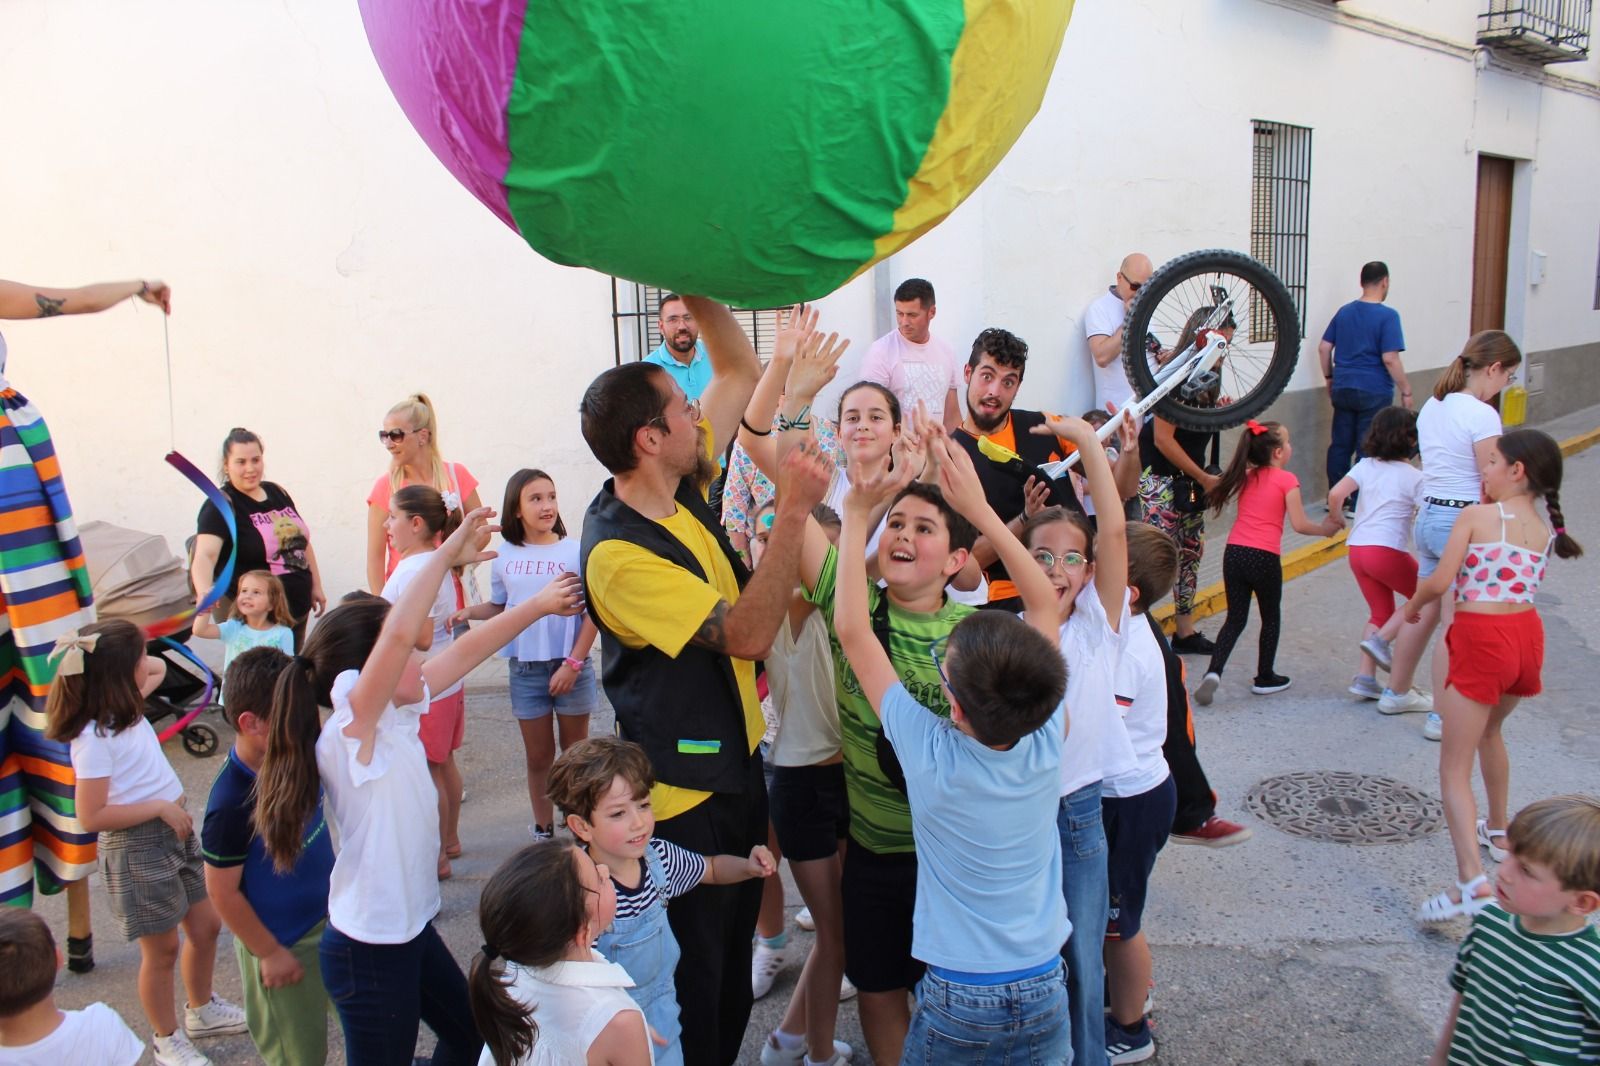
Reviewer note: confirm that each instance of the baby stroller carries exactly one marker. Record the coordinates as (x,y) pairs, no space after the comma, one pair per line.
(135,577)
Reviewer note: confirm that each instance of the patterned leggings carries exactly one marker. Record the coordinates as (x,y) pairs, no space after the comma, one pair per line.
(1247,571)
(1189,530)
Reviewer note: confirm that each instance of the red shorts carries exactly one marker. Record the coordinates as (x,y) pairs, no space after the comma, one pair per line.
(444,726)
(1382,574)
(1494,655)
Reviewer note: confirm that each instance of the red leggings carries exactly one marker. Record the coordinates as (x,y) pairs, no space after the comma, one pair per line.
(1382,572)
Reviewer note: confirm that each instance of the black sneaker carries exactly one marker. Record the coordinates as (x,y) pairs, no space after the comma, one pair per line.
(1267,684)
(1195,643)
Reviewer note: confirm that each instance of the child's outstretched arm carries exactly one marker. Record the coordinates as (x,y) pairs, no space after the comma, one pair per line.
(755,429)
(478,612)
(1302,522)
(1111,540)
(1444,574)
(205,627)
(563,596)
(727,869)
(1341,492)
(850,619)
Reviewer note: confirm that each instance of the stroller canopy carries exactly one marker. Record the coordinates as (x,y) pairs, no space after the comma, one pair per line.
(133,575)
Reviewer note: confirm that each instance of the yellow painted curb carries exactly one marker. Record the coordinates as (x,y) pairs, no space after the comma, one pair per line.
(1213,600)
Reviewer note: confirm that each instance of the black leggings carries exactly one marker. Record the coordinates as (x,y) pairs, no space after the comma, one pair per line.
(1247,571)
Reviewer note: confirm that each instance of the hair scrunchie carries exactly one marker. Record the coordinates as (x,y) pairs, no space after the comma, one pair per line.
(490,952)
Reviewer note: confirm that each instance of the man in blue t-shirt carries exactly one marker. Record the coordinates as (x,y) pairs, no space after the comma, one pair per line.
(1360,353)
(276,918)
(681,353)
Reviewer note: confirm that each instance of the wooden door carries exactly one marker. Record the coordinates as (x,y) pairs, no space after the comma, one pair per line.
(1491,242)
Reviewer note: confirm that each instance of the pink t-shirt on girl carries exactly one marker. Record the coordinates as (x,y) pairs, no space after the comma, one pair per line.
(461,482)
(1262,506)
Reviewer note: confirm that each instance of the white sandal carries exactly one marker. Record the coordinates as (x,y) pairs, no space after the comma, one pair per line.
(1441,908)
(1486,838)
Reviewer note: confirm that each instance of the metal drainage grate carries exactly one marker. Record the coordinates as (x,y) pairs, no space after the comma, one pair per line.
(1345,808)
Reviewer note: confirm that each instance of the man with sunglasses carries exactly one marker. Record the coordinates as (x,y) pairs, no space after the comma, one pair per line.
(1102,325)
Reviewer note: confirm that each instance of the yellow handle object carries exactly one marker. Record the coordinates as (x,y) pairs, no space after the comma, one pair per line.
(996,453)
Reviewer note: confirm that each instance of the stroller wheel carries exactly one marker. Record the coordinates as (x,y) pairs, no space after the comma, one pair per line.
(200,740)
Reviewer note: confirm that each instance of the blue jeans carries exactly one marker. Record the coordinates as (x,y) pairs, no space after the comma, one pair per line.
(1020,1022)
(382,991)
(645,947)
(1353,411)
(530,690)
(1085,883)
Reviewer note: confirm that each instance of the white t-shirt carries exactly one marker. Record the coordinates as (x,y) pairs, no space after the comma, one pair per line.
(94,1034)
(1097,747)
(133,761)
(800,678)
(519,573)
(572,1004)
(1390,493)
(913,372)
(1446,432)
(444,605)
(1142,699)
(385,884)
(1103,318)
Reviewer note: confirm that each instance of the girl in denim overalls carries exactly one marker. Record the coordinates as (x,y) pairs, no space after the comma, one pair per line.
(602,786)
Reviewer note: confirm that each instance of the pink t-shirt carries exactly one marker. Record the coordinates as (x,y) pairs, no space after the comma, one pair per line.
(913,372)
(1262,507)
(461,482)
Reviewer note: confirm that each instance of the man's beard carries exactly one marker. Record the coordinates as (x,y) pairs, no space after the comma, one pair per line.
(987,424)
(682,342)
(705,467)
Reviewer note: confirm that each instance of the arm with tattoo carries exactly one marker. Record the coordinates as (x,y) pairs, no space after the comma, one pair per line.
(32,301)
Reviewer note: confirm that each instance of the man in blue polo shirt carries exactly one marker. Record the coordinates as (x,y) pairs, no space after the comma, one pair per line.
(680,352)
(1360,354)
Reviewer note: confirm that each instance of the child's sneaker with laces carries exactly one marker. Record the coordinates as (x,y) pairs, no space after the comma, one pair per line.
(1413,702)
(1366,686)
(1379,649)
(1128,1045)
(1214,832)
(175,1050)
(216,1018)
(765,965)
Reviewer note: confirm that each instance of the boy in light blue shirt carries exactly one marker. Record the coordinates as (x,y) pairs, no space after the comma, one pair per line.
(983,786)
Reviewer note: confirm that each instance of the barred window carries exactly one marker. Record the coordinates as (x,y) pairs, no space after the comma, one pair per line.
(1280,214)
(636,331)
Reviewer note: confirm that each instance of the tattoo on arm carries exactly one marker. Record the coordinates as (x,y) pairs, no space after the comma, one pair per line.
(713,632)
(48,307)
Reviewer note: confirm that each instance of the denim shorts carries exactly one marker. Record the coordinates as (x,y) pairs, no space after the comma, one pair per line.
(1432,533)
(530,690)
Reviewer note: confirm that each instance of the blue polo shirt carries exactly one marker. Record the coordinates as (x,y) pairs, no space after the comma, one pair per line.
(1360,333)
(290,905)
(692,379)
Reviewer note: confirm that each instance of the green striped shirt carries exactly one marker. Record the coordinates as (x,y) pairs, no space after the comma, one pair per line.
(880,818)
(1526,998)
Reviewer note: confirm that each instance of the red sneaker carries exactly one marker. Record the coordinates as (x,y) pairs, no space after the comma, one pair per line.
(1214,832)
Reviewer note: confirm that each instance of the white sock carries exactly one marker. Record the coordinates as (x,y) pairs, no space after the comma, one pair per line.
(789,1041)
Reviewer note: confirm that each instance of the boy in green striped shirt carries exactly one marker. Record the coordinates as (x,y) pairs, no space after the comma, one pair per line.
(1527,977)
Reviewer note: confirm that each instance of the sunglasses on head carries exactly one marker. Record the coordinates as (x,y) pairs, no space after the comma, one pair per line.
(393,436)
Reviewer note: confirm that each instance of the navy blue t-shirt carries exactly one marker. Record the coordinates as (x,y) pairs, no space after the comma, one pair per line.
(289,905)
(1361,331)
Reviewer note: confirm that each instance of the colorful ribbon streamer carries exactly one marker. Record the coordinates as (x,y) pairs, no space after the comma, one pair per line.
(173,623)
(205,697)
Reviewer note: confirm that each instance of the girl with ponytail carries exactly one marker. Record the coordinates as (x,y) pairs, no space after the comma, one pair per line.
(1495,561)
(385,967)
(541,994)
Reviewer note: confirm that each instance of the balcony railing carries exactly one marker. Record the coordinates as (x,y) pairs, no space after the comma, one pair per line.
(1541,31)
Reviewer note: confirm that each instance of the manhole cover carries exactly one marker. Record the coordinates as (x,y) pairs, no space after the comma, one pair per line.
(1345,808)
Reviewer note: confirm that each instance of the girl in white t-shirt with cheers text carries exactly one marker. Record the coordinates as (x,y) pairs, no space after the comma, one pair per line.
(550,674)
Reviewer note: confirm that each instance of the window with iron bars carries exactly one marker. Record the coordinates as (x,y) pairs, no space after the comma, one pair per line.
(1280,215)
(637,332)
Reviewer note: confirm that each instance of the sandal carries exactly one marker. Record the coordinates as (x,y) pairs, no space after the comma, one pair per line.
(1486,838)
(1442,908)
(452,851)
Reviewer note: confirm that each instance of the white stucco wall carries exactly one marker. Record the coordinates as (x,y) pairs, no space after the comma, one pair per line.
(325,264)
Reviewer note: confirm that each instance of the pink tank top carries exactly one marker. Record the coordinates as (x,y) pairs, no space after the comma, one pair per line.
(1501,572)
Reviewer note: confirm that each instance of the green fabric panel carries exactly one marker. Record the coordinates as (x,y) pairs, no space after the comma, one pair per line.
(749,152)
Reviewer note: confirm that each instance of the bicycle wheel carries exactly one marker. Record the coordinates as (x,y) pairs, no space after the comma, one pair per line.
(1185,294)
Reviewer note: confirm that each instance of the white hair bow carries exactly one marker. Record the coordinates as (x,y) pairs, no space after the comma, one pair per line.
(70,649)
(452,501)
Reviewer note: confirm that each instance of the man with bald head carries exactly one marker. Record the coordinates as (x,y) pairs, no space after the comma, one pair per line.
(1102,324)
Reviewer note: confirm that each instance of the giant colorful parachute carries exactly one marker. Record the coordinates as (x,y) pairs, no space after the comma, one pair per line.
(756,152)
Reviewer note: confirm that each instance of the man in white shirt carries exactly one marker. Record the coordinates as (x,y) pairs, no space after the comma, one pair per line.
(914,364)
(1102,325)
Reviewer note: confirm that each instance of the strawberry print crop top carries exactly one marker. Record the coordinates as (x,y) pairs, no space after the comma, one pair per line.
(1501,572)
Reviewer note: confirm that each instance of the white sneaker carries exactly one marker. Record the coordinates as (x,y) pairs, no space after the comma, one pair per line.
(805,921)
(1413,702)
(217,1018)
(1207,689)
(772,1054)
(1433,728)
(846,989)
(765,965)
(1381,651)
(175,1050)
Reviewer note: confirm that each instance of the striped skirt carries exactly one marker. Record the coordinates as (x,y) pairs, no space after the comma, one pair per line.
(44,592)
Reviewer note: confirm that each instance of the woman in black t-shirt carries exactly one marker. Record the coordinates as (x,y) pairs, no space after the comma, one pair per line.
(272,535)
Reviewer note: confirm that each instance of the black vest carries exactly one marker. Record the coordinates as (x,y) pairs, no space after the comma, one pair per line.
(1003,482)
(685,712)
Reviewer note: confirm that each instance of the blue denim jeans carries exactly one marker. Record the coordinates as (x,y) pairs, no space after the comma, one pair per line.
(645,947)
(1353,411)
(382,991)
(1021,1022)
(1088,890)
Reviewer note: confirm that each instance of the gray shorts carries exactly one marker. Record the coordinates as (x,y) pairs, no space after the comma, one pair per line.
(151,877)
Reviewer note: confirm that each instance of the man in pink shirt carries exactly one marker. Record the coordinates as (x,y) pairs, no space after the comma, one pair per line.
(912,363)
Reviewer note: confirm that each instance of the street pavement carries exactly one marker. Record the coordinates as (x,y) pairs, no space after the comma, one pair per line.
(1278,950)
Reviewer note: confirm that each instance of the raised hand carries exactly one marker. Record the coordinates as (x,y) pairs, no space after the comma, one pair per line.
(804,477)
(868,492)
(816,361)
(465,546)
(1035,496)
(793,325)
(958,479)
(1067,428)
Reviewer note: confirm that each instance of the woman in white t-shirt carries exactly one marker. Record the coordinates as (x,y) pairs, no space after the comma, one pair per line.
(1380,535)
(550,673)
(385,967)
(1456,430)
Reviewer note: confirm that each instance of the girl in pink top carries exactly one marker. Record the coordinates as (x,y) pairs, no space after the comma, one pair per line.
(1252,562)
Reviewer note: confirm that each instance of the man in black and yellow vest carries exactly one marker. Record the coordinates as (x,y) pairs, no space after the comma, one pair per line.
(682,626)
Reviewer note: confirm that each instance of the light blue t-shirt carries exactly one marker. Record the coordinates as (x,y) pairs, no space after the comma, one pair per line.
(988,853)
(692,379)
(237,636)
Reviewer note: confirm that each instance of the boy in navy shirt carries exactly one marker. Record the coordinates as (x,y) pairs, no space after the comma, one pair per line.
(276,917)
